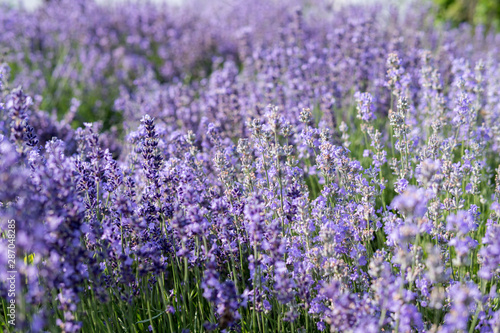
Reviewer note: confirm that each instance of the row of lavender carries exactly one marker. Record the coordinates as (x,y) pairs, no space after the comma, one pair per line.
(81,49)
(329,171)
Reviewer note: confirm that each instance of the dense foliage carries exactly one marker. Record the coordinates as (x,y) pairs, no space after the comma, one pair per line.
(485,13)
(285,167)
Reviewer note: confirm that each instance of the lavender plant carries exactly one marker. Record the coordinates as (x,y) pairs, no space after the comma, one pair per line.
(336,173)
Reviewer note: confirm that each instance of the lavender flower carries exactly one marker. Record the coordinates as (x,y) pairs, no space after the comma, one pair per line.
(489,252)
(201,167)
(366,109)
(412,201)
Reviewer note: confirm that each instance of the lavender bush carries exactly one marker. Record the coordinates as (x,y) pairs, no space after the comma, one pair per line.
(285,168)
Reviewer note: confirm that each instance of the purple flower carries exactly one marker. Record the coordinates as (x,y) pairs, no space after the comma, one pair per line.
(464,300)
(401,185)
(490,252)
(413,201)
(462,222)
(366,108)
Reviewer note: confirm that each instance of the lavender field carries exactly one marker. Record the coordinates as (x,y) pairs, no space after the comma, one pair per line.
(248,166)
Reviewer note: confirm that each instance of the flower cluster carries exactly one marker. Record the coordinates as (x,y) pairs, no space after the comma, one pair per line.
(279,168)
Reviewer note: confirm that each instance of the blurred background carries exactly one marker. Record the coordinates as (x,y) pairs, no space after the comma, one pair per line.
(32,4)
(485,12)
(76,55)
